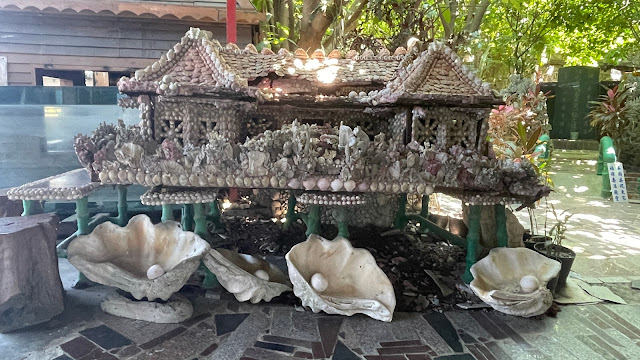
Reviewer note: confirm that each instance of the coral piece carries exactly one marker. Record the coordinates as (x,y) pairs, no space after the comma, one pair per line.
(354,282)
(245,276)
(498,280)
(121,256)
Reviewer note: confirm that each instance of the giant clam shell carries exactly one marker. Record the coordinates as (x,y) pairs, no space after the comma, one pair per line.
(355,283)
(497,277)
(121,256)
(236,273)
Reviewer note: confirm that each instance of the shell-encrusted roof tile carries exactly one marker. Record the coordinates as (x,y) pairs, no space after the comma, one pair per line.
(400,51)
(334,54)
(318,54)
(232,46)
(251,48)
(384,52)
(267,51)
(284,52)
(351,54)
(301,54)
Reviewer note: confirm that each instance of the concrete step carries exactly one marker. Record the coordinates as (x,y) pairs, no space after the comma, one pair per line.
(575,144)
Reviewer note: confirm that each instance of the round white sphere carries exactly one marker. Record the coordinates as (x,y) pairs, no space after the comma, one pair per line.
(529,283)
(319,283)
(155,271)
(262,274)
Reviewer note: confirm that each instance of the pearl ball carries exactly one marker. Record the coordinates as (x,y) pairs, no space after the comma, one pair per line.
(155,271)
(319,283)
(529,284)
(262,274)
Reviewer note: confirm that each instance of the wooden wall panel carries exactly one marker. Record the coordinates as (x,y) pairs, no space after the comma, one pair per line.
(86,42)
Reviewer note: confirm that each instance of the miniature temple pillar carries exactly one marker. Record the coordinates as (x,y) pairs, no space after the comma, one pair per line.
(342,220)
(215,217)
(187,217)
(122,217)
(167,212)
(473,237)
(313,220)
(401,216)
(501,225)
(424,212)
(291,215)
(29,208)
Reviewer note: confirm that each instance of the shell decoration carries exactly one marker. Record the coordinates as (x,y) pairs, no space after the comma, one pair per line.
(514,281)
(247,277)
(122,257)
(334,277)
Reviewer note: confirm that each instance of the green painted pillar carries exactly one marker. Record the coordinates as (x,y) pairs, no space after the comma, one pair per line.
(424,212)
(200,221)
(401,216)
(473,237)
(313,220)
(291,215)
(82,215)
(501,225)
(167,213)
(29,207)
(187,217)
(215,216)
(122,217)
(342,219)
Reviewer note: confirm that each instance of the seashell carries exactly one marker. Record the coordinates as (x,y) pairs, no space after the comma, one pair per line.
(121,256)
(257,182)
(246,181)
(229,180)
(284,52)
(193,179)
(351,54)
(103,176)
(113,175)
(395,187)
(373,186)
(301,54)
(362,187)
(282,183)
(148,180)
(318,54)
(429,189)
(334,54)
(220,181)
(354,282)
(421,189)
(265,181)
(156,180)
(404,187)
(140,176)
(267,51)
(173,179)
(324,184)
(273,181)
(309,183)
(131,177)
(498,277)
(336,185)
(245,276)
(349,185)
(400,51)
(251,49)
(129,154)
(122,176)
(294,183)
(203,181)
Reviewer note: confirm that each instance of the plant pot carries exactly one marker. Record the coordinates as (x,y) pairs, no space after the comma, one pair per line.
(573,135)
(561,254)
(533,240)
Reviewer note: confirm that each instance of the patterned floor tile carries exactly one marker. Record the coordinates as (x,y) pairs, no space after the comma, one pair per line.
(106,337)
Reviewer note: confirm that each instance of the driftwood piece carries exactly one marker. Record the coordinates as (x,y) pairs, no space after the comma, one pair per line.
(30,286)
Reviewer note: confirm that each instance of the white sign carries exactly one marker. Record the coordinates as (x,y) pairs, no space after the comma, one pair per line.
(618,185)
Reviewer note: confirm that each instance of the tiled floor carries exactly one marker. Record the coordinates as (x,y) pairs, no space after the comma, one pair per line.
(224,329)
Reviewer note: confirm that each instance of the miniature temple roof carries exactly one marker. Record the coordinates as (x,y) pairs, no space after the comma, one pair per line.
(201,10)
(200,64)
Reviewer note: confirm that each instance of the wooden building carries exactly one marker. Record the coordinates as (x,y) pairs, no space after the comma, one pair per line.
(64,38)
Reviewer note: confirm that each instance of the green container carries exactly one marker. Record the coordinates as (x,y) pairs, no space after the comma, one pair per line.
(577,85)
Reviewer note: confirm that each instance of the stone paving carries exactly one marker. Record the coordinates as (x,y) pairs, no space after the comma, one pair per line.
(224,329)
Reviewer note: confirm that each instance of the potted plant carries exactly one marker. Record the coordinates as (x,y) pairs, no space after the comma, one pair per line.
(554,249)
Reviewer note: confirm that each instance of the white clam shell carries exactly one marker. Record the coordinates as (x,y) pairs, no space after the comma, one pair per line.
(349,185)
(309,183)
(336,185)
(355,283)
(324,184)
(242,275)
(121,256)
(497,279)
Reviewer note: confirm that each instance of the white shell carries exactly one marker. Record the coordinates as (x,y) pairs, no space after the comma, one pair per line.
(529,283)
(319,283)
(309,183)
(240,275)
(324,184)
(121,256)
(355,283)
(336,184)
(349,185)
(497,278)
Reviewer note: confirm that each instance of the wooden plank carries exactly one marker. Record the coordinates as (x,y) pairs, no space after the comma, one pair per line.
(17,67)
(18,77)
(78,62)
(3,71)
(75,40)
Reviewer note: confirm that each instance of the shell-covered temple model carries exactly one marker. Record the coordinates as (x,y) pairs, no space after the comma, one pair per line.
(146,260)
(333,277)
(514,281)
(246,277)
(414,121)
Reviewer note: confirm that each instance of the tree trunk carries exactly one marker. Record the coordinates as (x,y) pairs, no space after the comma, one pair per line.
(314,24)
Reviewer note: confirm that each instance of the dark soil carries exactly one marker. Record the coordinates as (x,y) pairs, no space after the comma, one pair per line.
(404,256)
